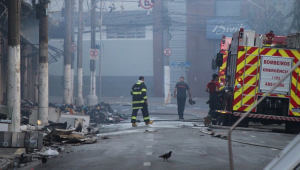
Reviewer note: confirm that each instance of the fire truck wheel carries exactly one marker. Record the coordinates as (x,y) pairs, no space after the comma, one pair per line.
(288,127)
(225,120)
(292,127)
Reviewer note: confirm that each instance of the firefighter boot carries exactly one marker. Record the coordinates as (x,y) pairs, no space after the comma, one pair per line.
(150,122)
(134,125)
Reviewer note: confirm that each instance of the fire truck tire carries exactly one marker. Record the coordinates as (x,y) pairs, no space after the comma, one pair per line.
(292,127)
(288,127)
(224,118)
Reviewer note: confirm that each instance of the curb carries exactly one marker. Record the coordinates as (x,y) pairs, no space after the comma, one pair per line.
(239,128)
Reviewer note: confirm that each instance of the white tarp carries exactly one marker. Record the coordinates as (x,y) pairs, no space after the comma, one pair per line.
(272,70)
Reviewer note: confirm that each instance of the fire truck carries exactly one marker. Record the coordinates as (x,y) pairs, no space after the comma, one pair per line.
(249,66)
(224,47)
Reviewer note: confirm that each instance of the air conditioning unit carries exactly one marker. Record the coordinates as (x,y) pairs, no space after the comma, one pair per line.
(251,35)
(293,40)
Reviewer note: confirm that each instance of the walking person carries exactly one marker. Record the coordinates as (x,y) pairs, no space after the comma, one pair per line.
(139,101)
(213,88)
(181,88)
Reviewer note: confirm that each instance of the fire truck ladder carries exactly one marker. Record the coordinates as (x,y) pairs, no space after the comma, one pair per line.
(251,85)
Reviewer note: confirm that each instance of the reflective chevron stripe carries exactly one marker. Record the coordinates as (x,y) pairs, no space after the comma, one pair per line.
(244,99)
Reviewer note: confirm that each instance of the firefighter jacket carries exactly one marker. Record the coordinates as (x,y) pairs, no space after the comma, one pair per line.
(139,95)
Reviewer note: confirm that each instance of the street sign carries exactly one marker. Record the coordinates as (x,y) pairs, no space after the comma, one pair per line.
(175,64)
(186,64)
(146,4)
(180,64)
(167,51)
(94,54)
(73,48)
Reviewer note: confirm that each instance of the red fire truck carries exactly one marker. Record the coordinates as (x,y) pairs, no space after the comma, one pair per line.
(249,66)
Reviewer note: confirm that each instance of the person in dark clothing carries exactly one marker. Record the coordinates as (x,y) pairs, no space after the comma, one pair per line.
(181,88)
(213,88)
(139,101)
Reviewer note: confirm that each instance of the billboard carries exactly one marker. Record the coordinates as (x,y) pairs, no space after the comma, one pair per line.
(215,28)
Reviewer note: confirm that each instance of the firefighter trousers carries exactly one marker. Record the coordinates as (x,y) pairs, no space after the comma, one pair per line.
(145,113)
(180,106)
(212,105)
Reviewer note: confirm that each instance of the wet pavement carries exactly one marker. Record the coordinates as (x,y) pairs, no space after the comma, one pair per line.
(139,148)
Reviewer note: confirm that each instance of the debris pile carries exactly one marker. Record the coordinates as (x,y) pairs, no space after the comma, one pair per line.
(68,136)
(103,113)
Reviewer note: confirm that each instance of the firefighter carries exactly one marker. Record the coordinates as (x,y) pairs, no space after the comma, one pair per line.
(181,87)
(270,36)
(213,88)
(139,101)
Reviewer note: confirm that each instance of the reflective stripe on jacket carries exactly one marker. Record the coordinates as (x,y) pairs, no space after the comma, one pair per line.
(139,95)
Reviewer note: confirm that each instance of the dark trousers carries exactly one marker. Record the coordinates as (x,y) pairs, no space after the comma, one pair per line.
(181,105)
(213,99)
(145,113)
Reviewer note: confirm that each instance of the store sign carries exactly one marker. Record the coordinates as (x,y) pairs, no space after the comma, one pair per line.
(216,28)
(272,70)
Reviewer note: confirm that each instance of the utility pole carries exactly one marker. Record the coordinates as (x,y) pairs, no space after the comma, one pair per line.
(43,62)
(73,53)
(67,54)
(167,73)
(158,65)
(297,14)
(101,49)
(79,100)
(92,98)
(14,69)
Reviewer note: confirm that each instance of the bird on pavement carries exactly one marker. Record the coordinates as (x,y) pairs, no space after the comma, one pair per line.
(166,156)
(44,160)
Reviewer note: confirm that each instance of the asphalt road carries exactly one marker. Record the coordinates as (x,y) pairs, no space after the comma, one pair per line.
(138,148)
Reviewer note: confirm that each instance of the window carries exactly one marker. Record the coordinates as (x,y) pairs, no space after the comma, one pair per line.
(125,32)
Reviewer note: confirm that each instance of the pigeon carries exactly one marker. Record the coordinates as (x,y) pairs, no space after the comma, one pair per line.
(166,156)
(44,160)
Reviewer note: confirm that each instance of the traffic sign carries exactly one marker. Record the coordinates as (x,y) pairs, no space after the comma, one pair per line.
(94,54)
(175,64)
(180,64)
(186,64)
(73,48)
(167,51)
(146,4)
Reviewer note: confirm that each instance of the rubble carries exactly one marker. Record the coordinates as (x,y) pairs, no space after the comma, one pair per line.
(103,113)
(104,137)
(70,125)
(50,152)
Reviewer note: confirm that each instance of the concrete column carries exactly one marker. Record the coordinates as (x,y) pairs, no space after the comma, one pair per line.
(72,54)
(79,100)
(167,73)
(14,70)
(158,65)
(25,77)
(43,64)
(36,76)
(67,54)
(30,77)
(92,98)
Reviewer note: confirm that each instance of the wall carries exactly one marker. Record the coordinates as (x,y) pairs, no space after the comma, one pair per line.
(124,60)
(199,49)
